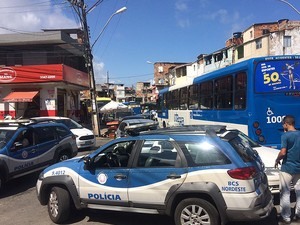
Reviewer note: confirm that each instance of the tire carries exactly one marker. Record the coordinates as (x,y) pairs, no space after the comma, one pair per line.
(59,205)
(196,211)
(63,156)
(1,182)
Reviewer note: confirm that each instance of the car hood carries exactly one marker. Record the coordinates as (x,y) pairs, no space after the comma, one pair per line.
(267,155)
(73,164)
(82,131)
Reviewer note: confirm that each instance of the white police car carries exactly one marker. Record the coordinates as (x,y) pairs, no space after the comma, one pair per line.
(197,175)
(27,147)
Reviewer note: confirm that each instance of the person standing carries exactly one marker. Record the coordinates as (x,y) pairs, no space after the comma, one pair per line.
(290,168)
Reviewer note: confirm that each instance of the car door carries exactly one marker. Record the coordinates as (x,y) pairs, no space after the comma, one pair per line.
(155,171)
(22,153)
(47,142)
(105,182)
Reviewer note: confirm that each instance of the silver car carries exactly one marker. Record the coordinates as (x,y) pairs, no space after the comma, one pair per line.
(133,125)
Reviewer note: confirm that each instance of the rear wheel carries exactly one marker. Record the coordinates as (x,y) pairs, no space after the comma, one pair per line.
(1,182)
(59,205)
(196,211)
(63,156)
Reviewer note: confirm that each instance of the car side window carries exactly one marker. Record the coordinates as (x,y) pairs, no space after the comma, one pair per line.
(116,155)
(61,131)
(23,140)
(159,153)
(205,153)
(45,134)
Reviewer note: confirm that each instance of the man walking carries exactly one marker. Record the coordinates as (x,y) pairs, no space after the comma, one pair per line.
(290,168)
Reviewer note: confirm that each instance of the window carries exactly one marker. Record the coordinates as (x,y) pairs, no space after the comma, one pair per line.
(240,91)
(173,99)
(240,51)
(183,100)
(116,155)
(206,97)
(208,60)
(194,96)
(287,41)
(258,43)
(45,134)
(204,153)
(223,93)
(62,132)
(160,153)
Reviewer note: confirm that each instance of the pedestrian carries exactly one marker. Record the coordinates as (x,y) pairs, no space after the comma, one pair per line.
(290,168)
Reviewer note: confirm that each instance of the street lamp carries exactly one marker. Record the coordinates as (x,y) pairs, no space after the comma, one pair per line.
(117,12)
(286,2)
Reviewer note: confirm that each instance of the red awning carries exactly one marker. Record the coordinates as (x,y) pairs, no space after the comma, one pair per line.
(20,96)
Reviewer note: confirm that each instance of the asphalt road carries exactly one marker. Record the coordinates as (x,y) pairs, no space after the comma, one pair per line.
(19,206)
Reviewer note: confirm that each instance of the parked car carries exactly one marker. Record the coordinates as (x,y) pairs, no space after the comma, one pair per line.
(133,124)
(85,138)
(208,175)
(136,116)
(27,147)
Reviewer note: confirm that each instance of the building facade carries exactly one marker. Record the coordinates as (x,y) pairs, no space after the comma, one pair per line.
(42,74)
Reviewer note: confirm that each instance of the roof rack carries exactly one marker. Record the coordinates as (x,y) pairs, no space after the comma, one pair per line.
(208,129)
(17,122)
(22,122)
(135,130)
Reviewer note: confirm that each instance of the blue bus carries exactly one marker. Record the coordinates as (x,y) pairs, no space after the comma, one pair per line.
(252,96)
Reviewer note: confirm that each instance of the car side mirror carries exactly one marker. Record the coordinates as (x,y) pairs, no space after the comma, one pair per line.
(16,146)
(87,162)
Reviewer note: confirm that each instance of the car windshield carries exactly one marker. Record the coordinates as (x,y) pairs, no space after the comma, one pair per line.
(5,136)
(71,124)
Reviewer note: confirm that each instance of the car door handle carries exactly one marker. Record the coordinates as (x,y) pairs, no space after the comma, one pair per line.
(33,151)
(120,177)
(173,176)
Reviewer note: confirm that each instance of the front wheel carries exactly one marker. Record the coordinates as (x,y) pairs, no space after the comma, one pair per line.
(59,205)
(196,211)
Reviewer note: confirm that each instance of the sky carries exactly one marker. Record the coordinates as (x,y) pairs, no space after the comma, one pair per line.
(148,31)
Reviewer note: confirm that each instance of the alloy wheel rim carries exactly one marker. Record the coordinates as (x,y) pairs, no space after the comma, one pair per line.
(194,215)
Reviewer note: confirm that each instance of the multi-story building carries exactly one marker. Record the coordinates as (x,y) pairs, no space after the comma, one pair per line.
(261,39)
(42,74)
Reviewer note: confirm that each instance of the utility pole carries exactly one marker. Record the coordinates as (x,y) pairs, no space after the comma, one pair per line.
(89,62)
(107,81)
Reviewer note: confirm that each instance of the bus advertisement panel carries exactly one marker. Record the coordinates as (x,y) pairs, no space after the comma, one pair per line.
(252,96)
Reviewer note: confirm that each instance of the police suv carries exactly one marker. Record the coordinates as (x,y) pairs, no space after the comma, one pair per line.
(27,147)
(197,175)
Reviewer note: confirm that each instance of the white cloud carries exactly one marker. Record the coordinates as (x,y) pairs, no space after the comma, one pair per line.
(185,22)
(28,15)
(181,13)
(181,6)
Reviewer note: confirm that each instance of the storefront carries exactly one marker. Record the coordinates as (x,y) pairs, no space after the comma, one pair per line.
(41,90)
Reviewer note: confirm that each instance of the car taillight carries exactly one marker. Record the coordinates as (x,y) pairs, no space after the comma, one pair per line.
(244,173)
